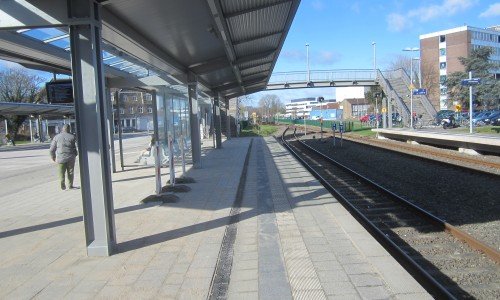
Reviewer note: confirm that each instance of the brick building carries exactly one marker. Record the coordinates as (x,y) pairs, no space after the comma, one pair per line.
(439,53)
(135,109)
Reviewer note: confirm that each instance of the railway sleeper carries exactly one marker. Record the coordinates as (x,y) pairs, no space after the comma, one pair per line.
(443,249)
(458,262)
(438,238)
(482,291)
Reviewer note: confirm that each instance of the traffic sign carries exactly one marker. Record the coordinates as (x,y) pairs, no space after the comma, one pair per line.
(472,81)
(384,110)
(420,92)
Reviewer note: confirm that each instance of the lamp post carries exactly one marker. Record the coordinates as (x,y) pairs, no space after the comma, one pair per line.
(374,44)
(307,58)
(411,84)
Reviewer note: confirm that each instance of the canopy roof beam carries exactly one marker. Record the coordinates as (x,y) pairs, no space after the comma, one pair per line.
(255,38)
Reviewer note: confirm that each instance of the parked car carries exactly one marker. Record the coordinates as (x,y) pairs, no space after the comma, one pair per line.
(480,118)
(495,120)
(489,119)
(364,118)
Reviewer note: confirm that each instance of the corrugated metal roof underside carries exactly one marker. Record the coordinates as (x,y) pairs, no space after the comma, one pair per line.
(259,22)
(232,6)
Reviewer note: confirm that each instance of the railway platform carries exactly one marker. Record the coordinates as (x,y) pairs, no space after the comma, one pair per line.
(463,142)
(255,225)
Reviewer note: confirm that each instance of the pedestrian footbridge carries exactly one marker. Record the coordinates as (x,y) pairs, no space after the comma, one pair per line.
(322,78)
(395,84)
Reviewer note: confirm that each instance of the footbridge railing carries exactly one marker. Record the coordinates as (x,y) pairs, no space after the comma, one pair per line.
(322,78)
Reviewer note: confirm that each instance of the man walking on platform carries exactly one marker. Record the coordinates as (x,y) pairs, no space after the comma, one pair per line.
(63,151)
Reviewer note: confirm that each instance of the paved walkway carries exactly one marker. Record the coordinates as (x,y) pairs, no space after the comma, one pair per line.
(292,239)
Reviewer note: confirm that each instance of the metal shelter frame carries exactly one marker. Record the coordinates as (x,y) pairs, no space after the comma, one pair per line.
(229,51)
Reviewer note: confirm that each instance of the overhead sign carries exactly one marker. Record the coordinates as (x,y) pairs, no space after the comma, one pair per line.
(420,92)
(472,81)
(60,91)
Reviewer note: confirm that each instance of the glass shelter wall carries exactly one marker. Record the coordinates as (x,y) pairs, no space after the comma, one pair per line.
(173,122)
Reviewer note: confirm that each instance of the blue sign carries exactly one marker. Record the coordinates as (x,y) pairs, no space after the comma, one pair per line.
(419,92)
(334,126)
(473,81)
(341,127)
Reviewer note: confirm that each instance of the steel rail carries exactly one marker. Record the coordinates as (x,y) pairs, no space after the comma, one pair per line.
(459,234)
(422,276)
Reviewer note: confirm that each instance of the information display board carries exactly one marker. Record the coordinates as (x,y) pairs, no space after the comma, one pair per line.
(60,91)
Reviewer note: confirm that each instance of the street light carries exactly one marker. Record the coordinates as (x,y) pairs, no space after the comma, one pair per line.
(374,44)
(411,83)
(308,70)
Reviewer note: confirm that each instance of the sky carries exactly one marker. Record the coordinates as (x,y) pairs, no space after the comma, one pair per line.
(340,34)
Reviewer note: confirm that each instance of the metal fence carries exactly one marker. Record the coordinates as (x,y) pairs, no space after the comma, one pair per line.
(327,125)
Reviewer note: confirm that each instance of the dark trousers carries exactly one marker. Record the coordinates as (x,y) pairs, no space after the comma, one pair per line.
(67,167)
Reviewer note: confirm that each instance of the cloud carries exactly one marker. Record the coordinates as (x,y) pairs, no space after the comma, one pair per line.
(447,8)
(318,5)
(492,11)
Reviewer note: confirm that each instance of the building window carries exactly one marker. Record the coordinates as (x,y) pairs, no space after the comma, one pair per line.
(442,79)
(134,98)
(442,65)
(442,38)
(122,111)
(131,110)
(444,91)
(140,109)
(150,110)
(442,51)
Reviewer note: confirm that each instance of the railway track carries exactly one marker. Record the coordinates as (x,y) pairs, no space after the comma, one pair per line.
(449,265)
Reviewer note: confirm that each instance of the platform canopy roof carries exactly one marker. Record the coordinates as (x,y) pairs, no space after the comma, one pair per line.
(231,46)
(13,108)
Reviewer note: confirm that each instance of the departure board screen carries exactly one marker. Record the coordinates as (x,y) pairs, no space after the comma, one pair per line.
(59,91)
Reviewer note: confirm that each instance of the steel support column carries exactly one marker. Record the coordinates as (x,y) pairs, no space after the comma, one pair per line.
(384,112)
(217,122)
(110,122)
(120,131)
(194,121)
(90,109)
(156,143)
(228,121)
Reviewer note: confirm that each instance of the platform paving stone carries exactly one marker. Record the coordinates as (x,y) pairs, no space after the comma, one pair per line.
(293,238)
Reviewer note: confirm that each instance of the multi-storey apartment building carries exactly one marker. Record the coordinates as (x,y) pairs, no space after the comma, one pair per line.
(135,110)
(301,108)
(439,53)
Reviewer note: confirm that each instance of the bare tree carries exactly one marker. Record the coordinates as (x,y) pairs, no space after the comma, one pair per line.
(17,85)
(270,105)
(404,62)
(430,81)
